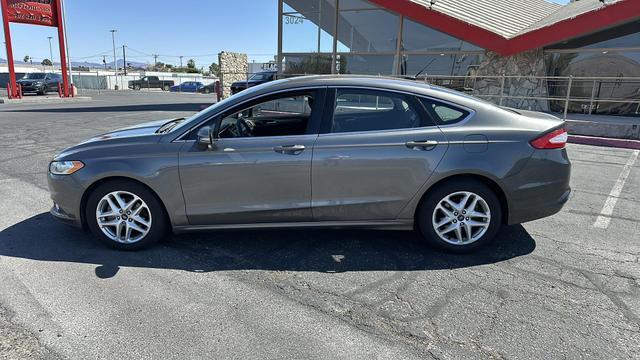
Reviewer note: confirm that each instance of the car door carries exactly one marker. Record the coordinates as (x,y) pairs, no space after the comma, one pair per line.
(259,168)
(376,149)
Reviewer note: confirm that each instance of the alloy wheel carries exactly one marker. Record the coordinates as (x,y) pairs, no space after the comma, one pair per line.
(123,217)
(461,218)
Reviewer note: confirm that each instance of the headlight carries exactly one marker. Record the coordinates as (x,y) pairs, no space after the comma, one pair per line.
(65,167)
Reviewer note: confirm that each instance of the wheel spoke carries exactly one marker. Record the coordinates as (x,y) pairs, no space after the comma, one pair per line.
(112,205)
(467,230)
(446,211)
(136,227)
(141,221)
(113,222)
(121,203)
(475,214)
(463,202)
(472,207)
(127,236)
(458,234)
(444,221)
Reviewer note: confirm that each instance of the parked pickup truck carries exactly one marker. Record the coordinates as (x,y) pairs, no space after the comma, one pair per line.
(150,82)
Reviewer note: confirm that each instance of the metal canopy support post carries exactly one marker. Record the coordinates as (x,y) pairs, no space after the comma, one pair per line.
(12,90)
(334,56)
(63,50)
(280,10)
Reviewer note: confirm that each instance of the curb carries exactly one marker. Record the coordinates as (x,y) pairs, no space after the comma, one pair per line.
(48,100)
(605,142)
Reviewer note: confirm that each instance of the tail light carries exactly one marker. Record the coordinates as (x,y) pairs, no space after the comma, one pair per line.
(556,139)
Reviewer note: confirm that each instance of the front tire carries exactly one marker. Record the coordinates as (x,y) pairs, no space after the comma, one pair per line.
(125,215)
(460,216)
(166,88)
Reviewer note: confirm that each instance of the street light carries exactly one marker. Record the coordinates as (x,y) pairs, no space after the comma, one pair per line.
(115,60)
(50,51)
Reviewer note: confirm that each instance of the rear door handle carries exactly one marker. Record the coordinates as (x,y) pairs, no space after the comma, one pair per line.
(422,144)
(289,149)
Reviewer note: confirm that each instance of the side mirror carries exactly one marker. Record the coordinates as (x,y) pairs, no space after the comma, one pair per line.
(204,138)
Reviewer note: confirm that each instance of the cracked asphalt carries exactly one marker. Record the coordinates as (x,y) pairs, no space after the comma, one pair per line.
(554,288)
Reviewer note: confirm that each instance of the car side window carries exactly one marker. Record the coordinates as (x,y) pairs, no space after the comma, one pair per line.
(281,116)
(359,110)
(444,114)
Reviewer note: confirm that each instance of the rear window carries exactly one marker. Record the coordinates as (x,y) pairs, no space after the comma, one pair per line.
(444,114)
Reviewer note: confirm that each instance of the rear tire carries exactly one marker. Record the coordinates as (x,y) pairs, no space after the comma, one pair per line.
(139,226)
(459,216)
(166,88)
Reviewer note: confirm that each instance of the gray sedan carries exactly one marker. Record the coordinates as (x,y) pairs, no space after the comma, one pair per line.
(322,151)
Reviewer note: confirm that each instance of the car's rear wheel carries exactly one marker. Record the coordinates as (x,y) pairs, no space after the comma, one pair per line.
(166,87)
(460,216)
(125,215)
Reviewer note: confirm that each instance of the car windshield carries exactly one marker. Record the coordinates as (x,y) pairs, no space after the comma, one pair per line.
(261,76)
(216,107)
(34,76)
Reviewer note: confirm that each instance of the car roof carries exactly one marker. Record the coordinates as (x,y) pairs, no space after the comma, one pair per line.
(367,81)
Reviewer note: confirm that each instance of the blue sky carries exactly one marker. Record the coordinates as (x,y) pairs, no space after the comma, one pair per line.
(185,27)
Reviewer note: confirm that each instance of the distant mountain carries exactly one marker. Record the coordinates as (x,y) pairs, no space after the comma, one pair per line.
(93,65)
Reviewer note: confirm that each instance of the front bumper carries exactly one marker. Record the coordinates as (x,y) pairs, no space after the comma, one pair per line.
(31,88)
(66,193)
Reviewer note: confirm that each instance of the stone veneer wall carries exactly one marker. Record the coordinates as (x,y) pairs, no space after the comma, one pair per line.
(233,67)
(524,65)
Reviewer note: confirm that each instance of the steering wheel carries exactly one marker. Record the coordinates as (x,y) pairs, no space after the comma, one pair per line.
(244,128)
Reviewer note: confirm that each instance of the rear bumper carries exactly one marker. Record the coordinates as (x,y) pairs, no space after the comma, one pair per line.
(541,189)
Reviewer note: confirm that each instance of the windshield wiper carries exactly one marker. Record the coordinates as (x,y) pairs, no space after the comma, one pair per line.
(169,126)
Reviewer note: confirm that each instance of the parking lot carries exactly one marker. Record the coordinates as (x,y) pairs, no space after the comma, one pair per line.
(562,287)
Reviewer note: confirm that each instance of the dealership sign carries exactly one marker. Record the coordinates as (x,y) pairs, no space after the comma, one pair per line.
(36,12)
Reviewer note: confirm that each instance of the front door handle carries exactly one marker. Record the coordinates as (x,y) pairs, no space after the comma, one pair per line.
(422,144)
(289,149)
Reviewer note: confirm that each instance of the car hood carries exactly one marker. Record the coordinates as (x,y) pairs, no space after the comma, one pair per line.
(148,128)
(29,80)
(141,133)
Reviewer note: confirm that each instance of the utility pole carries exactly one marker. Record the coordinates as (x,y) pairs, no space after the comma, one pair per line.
(50,51)
(115,60)
(155,61)
(181,61)
(124,59)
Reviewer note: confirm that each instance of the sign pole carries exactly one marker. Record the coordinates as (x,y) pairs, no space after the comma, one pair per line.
(13,87)
(63,50)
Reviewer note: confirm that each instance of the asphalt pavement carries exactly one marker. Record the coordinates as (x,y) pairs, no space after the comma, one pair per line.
(562,287)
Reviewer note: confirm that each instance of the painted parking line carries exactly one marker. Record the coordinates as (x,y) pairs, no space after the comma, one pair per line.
(604,218)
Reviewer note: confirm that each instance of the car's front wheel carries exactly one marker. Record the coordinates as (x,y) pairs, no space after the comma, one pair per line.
(460,216)
(125,215)
(166,88)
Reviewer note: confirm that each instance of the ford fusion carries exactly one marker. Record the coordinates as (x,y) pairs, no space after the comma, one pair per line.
(321,151)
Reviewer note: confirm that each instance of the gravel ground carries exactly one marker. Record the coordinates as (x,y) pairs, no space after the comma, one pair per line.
(554,288)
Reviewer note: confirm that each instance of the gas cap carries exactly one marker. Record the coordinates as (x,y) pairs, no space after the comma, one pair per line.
(476,143)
